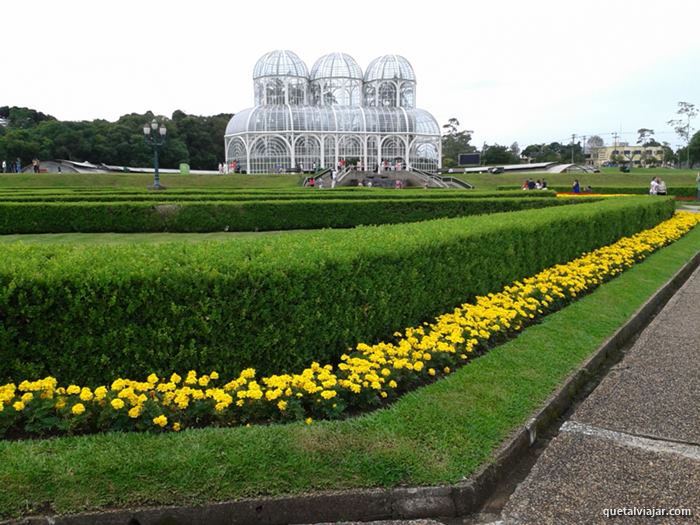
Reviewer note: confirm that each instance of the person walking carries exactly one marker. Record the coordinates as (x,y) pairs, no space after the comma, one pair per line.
(18,165)
(4,166)
(334,177)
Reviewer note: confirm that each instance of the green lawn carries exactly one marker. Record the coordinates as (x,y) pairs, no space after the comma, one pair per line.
(607,177)
(437,434)
(135,180)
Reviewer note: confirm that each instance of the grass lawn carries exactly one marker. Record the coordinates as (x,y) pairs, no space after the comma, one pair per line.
(136,180)
(607,177)
(437,434)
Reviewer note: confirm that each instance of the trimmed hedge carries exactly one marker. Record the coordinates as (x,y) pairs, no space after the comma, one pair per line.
(251,215)
(90,314)
(681,191)
(241,196)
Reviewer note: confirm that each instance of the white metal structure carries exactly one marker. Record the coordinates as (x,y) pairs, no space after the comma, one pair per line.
(334,115)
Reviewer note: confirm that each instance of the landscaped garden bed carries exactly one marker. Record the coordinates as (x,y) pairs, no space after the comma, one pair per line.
(437,434)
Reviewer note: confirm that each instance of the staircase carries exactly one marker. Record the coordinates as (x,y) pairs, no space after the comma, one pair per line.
(387,179)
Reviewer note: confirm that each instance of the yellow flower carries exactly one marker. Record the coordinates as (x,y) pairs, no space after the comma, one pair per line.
(18,406)
(176,427)
(135,412)
(282,405)
(328,394)
(78,409)
(308,420)
(152,379)
(73,389)
(85,394)
(100,393)
(26,398)
(214,375)
(117,404)
(161,421)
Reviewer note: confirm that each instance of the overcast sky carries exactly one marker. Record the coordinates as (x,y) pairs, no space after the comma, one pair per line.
(529,72)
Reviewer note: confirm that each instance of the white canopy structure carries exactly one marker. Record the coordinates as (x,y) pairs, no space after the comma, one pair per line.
(335,113)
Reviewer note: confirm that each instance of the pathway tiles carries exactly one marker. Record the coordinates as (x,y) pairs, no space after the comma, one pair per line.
(635,441)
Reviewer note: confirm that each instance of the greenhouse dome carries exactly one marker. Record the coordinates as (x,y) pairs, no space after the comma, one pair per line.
(336,79)
(302,121)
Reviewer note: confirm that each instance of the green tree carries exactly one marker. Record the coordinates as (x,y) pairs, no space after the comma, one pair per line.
(194,139)
(497,154)
(682,126)
(455,142)
(693,153)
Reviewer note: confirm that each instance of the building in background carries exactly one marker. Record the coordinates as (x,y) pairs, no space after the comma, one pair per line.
(625,154)
(334,115)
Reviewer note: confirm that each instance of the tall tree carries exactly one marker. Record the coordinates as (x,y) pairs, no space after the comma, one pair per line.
(682,126)
(455,142)
(595,142)
(645,135)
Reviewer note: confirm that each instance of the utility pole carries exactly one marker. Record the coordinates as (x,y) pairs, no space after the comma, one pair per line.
(573,138)
(583,148)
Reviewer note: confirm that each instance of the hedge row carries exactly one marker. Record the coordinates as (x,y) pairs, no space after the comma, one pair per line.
(681,191)
(256,215)
(89,314)
(236,196)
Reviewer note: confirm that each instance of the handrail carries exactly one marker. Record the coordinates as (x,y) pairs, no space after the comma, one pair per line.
(316,175)
(429,177)
(341,175)
(443,181)
(458,182)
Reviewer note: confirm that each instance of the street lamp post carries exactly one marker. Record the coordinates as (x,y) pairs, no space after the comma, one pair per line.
(154,136)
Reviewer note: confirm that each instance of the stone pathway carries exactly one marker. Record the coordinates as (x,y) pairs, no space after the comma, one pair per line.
(633,446)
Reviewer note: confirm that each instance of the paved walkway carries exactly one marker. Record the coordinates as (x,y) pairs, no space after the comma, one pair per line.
(634,444)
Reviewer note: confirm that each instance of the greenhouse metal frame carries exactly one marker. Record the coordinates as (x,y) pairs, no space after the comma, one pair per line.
(336,115)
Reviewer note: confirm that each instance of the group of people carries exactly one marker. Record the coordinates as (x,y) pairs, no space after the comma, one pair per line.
(576,187)
(658,187)
(228,167)
(530,184)
(13,167)
(313,182)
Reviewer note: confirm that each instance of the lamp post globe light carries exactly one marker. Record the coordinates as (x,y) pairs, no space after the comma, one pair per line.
(154,135)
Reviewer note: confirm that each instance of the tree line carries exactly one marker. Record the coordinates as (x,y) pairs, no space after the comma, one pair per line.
(29,134)
(456,142)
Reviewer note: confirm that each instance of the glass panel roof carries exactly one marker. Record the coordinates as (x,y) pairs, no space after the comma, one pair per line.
(336,65)
(280,63)
(389,67)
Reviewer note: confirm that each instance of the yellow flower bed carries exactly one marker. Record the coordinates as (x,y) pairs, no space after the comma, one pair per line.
(364,378)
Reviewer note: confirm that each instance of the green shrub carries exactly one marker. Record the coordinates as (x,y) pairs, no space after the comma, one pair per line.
(247,215)
(178,196)
(92,313)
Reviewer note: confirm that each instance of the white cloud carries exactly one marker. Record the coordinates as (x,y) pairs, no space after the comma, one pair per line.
(531,72)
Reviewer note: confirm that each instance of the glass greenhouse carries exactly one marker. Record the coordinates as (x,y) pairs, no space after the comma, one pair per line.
(302,121)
